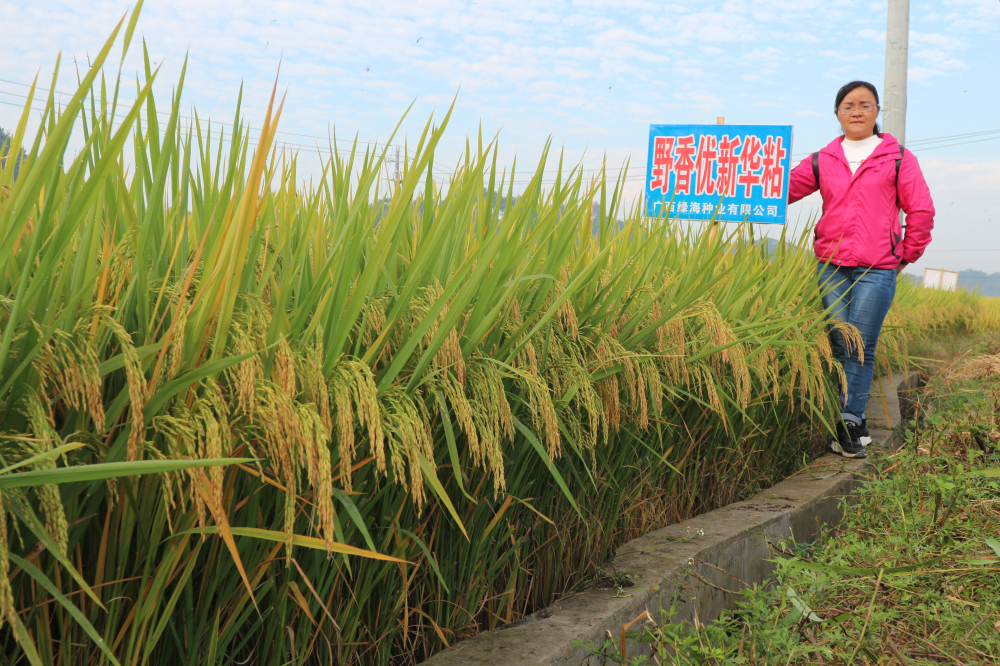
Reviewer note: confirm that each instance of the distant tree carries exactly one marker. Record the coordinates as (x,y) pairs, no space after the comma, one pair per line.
(6,139)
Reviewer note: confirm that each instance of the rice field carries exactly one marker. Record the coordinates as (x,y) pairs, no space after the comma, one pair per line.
(246,420)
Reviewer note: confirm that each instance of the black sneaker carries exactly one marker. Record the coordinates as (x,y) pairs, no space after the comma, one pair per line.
(863,435)
(847,443)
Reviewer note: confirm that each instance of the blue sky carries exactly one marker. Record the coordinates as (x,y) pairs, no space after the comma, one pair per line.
(592,75)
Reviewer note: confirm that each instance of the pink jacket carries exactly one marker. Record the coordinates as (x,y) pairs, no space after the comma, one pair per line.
(860,221)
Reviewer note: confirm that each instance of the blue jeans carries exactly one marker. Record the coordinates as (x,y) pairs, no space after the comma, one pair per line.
(861,297)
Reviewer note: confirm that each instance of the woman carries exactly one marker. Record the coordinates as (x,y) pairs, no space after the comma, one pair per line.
(865,178)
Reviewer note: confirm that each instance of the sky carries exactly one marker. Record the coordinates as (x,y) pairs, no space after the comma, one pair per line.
(591,75)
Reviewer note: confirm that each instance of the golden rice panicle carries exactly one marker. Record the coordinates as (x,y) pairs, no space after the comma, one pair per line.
(822,342)
(672,345)
(607,387)
(636,388)
(493,418)
(610,352)
(374,320)
(409,440)
(137,387)
(449,355)
(374,323)
(566,314)
(48,494)
(314,386)
(528,380)
(774,367)
(353,393)
(283,436)
(703,378)
(460,406)
(527,360)
(566,371)
(543,413)
(220,439)
(67,365)
(733,353)
(174,433)
(175,355)
(795,361)
(320,472)
(8,611)
(248,373)
(650,374)
(852,338)
(655,314)
(283,370)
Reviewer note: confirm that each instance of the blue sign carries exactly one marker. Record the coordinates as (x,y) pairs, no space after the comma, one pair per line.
(731,173)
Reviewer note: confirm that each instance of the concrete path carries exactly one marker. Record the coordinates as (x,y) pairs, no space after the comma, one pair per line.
(699,564)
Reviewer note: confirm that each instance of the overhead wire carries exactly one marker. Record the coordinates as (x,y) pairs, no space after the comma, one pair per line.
(166,114)
(220,132)
(931,143)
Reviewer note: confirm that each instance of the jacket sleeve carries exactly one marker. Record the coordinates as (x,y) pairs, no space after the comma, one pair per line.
(915,200)
(802,182)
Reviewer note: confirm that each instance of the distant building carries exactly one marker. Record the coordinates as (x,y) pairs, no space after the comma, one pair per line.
(939,278)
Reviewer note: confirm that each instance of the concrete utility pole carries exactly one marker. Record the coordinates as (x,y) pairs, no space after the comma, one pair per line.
(897,40)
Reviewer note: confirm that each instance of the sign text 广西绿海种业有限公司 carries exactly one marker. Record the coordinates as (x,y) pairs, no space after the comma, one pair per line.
(730,173)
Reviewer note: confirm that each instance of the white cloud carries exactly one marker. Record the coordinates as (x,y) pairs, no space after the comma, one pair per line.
(868,33)
(935,39)
(699,99)
(800,36)
(533,67)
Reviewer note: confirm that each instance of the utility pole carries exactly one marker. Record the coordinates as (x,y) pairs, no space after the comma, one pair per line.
(897,39)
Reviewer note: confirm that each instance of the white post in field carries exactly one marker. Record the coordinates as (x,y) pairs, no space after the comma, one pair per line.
(897,38)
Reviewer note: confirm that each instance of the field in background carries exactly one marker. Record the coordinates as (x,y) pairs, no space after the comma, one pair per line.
(246,421)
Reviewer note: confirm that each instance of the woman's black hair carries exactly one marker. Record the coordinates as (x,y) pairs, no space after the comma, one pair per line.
(846,89)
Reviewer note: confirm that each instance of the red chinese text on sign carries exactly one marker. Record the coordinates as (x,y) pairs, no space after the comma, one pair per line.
(773,175)
(663,162)
(707,154)
(684,163)
(728,159)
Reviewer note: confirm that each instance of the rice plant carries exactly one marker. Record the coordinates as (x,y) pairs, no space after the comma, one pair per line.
(358,421)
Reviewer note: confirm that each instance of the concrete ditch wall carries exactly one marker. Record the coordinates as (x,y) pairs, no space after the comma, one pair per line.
(699,564)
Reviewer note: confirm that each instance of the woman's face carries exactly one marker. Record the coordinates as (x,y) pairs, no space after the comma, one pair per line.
(857,114)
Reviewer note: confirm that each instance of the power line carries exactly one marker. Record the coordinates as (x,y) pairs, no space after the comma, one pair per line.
(964,143)
(953,136)
(219,132)
(125,104)
(924,144)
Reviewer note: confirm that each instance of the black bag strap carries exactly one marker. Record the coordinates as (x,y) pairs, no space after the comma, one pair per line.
(899,160)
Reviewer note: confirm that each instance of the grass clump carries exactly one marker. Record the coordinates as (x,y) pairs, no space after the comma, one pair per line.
(913,577)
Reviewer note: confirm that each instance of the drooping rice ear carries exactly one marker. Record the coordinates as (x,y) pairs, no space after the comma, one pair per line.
(137,386)
(8,611)
(353,395)
(46,439)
